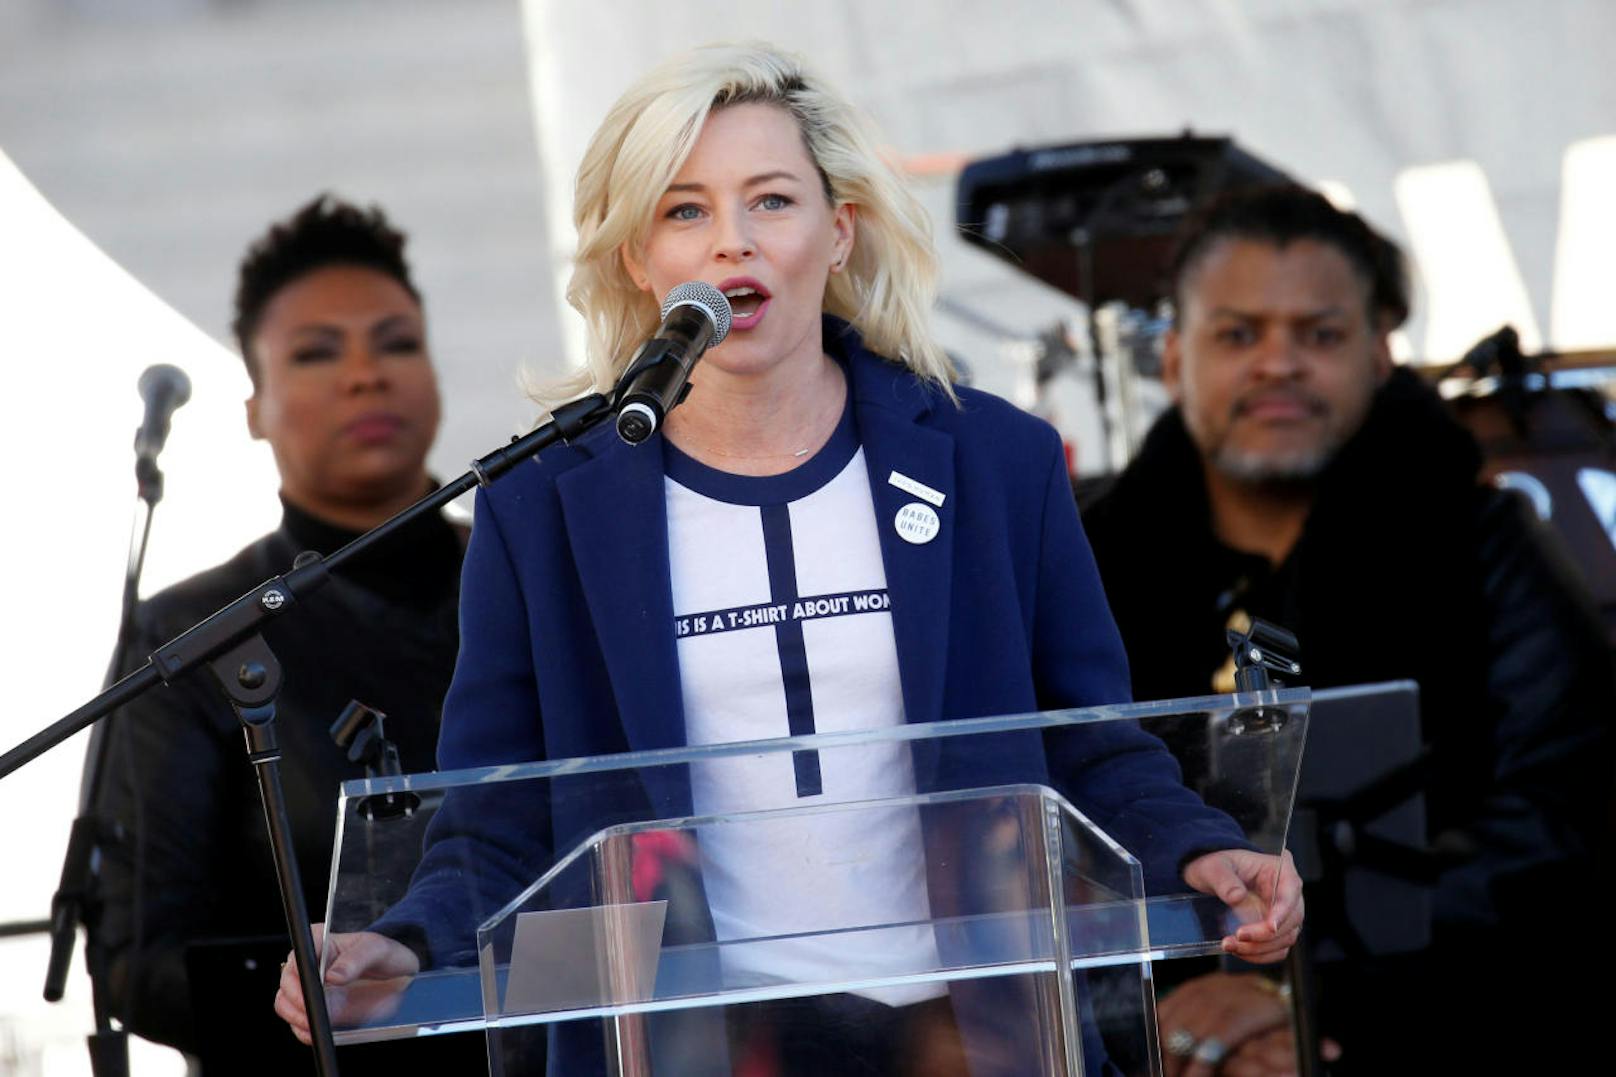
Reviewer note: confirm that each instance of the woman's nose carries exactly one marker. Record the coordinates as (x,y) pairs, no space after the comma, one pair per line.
(362,368)
(733,240)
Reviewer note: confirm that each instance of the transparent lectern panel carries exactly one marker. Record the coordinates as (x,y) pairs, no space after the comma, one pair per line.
(431,859)
(1359,827)
(882,907)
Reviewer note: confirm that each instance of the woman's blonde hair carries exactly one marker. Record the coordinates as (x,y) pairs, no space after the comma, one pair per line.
(887,287)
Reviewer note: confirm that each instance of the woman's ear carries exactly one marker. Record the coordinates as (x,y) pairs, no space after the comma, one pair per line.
(253,428)
(634,268)
(845,226)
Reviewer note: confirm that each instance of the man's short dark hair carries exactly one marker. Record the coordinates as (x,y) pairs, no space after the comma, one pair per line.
(326,232)
(1284,214)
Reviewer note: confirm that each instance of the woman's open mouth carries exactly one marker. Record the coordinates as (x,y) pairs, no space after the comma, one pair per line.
(748,299)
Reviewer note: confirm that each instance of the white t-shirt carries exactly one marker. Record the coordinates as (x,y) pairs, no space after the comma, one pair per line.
(784,627)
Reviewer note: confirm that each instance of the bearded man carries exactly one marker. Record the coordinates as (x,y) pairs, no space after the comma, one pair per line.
(1304,479)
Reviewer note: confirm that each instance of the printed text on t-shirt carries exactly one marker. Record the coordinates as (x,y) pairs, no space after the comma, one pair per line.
(767,614)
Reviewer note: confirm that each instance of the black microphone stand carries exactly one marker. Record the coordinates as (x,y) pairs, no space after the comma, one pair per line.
(77,891)
(230,644)
(1262,654)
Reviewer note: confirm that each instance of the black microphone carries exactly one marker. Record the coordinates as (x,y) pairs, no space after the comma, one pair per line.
(695,317)
(165,389)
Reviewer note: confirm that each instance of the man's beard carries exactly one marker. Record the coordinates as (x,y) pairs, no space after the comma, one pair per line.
(1299,467)
(1292,467)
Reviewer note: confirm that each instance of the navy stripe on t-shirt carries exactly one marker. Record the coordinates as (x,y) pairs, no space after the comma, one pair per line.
(788,637)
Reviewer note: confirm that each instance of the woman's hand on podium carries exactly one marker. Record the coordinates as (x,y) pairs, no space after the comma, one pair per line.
(1265,893)
(363,981)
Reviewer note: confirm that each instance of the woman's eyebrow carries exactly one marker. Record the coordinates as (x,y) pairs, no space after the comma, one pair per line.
(752,181)
(391,322)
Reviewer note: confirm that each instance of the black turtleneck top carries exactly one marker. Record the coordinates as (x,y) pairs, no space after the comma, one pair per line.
(416,568)
(195,860)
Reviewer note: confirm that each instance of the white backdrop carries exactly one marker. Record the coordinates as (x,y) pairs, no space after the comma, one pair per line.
(1448,121)
(67,420)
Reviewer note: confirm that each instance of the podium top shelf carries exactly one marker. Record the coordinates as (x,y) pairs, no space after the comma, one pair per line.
(1216,710)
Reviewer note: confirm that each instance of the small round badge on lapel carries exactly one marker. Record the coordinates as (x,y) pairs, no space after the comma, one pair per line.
(917,523)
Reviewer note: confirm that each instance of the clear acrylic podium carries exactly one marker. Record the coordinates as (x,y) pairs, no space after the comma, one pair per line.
(939,889)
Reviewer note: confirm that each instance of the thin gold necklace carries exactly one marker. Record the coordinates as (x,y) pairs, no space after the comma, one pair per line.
(835,418)
(748,455)
(797,454)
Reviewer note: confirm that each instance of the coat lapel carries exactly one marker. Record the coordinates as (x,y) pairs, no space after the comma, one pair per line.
(616,515)
(919,575)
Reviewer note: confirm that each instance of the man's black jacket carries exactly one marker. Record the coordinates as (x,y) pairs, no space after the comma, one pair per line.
(1408,567)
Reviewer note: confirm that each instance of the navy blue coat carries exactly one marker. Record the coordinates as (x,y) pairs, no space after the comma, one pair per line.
(568,646)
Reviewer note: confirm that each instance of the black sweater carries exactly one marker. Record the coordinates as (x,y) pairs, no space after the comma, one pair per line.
(195,860)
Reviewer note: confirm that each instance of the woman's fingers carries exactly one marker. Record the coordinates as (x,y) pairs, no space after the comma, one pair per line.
(365,955)
(289,994)
(1285,910)
(1259,943)
(1261,951)
(1265,891)
(1216,874)
(358,956)
(289,1001)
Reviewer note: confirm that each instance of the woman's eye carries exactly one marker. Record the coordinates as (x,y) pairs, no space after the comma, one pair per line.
(685,212)
(317,354)
(402,346)
(773,202)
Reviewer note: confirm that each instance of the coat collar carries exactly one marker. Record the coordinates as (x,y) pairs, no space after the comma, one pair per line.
(614,509)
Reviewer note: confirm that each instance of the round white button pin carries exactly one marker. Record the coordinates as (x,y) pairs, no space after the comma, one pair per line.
(917,523)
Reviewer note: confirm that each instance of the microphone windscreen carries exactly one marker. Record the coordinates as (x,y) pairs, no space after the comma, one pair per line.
(167,380)
(697,293)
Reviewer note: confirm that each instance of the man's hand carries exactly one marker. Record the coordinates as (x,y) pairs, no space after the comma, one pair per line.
(1208,1021)
(363,982)
(1272,1054)
(1231,1024)
(1265,893)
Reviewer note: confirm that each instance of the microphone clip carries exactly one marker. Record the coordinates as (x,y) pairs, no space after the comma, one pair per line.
(638,419)
(359,731)
(1262,655)
(148,479)
(653,353)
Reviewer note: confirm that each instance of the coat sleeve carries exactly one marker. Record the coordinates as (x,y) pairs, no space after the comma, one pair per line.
(1528,839)
(1123,778)
(487,842)
(170,801)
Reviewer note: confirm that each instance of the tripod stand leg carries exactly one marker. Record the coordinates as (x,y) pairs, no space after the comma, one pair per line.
(308,961)
(250,675)
(1304,1026)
